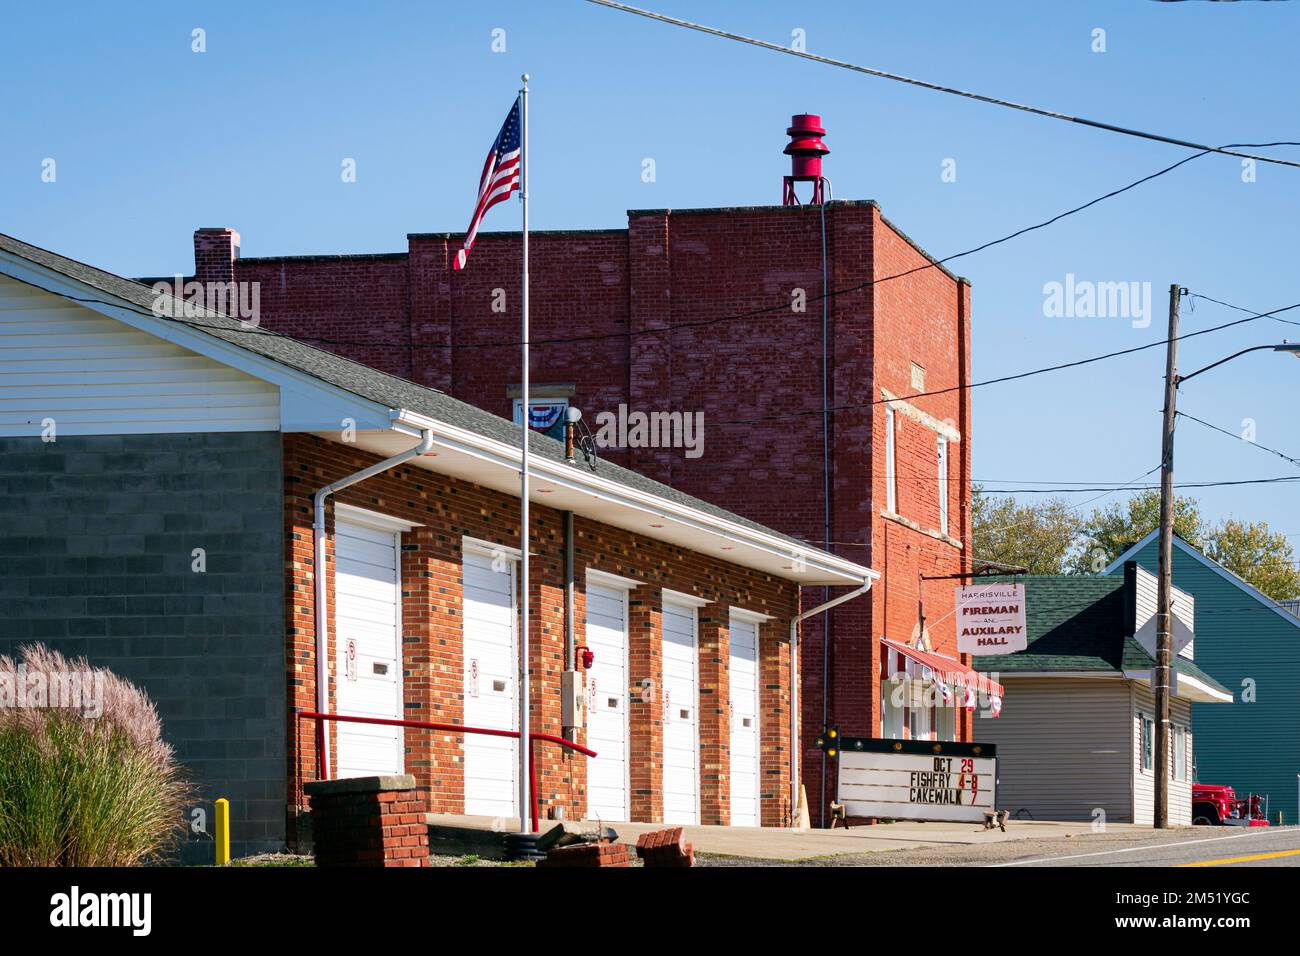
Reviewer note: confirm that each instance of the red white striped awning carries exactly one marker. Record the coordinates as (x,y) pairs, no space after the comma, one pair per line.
(899,660)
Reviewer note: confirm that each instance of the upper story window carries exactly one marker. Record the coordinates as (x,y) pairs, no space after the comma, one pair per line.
(545,415)
(891,484)
(943,484)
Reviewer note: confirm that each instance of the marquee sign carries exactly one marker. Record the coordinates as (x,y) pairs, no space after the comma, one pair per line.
(917,779)
(991,619)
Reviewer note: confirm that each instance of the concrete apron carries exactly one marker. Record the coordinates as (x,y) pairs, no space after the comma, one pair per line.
(458,834)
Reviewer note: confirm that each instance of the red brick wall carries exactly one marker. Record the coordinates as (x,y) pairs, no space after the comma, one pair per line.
(757,380)
(433,664)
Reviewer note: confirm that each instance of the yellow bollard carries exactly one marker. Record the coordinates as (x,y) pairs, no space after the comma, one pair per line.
(223,831)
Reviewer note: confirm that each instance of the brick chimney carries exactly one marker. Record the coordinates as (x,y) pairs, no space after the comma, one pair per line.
(215,252)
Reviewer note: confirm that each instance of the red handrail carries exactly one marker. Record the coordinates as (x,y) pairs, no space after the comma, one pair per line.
(452,728)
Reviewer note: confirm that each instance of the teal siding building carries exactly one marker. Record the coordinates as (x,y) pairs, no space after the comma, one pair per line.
(1251,646)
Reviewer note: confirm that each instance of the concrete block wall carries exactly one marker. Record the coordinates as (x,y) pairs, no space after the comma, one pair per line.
(97,536)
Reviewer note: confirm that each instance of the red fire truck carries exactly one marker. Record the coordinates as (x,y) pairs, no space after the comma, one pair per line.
(1217,805)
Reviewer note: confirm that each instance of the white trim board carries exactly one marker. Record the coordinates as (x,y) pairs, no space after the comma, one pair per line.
(683,600)
(606,580)
(372,519)
(1214,566)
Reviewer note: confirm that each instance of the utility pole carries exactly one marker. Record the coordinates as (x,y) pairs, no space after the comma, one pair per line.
(1166,571)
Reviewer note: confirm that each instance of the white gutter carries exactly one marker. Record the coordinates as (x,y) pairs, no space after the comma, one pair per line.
(566,476)
(795,746)
(318,535)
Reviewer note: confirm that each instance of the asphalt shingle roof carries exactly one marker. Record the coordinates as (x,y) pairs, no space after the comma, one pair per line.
(1078,623)
(364,381)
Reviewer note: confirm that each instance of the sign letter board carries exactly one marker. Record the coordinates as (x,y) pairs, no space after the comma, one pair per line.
(917,779)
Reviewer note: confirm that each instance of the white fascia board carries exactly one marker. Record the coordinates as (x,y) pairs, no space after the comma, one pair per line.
(301,409)
(508,456)
(1082,675)
(1188,688)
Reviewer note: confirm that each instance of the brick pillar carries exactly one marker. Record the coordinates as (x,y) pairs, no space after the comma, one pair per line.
(650,356)
(429,262)
(216,250)
(368,821)
(715,717)
(774,723)
(646,714)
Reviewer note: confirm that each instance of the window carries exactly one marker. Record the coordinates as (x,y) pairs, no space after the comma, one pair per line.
(1179,765)
(891,492)
(891,710)
(918,721)
(546,415)
(1148,743)
(943,484)
(945,722)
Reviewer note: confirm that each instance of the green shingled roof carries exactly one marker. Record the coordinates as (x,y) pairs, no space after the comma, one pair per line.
(1078,623)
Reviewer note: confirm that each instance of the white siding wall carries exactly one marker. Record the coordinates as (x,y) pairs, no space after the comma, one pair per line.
(1144,781)
(1063,748)
(96,376)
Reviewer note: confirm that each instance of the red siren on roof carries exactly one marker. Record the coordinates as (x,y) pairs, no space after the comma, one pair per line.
(805,150)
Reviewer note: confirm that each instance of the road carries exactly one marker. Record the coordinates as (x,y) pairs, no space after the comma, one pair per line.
(1186,846)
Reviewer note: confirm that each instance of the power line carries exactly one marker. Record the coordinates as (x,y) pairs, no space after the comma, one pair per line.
(936,87)
(1020,375)
(1238,308)
(702,323)
(1182,484)
(1230,434)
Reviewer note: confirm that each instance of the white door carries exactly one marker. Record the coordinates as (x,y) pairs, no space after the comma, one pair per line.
(681,716)
(607,704)
(367,625)
(491,685)
(743,671)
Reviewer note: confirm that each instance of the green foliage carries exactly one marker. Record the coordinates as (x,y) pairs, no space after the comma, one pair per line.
(78,790)
(1049,538)
(1257,554)
(1037,537)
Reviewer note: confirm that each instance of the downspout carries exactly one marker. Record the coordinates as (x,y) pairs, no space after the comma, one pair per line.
(570,650)
(322,623)
(796,745)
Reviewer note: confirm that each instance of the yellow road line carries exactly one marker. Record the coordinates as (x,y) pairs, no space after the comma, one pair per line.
(1244,859)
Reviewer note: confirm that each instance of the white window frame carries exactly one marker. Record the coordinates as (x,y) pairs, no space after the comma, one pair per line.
(1178,737)
(891,715)
(1143,723)
(517,406)
(941,445)
(891,488)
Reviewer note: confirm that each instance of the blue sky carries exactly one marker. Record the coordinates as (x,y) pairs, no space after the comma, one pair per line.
(153,140)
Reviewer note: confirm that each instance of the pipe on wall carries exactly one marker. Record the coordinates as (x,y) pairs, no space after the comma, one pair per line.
(796,746)
(318,544)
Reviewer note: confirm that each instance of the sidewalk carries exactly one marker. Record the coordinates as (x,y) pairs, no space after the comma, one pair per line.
(770,843)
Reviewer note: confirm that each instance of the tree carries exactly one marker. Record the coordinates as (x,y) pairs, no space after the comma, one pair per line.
(1108,531)
(1037,537)
(1258,555)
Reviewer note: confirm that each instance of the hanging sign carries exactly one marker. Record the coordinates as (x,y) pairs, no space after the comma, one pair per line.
(917,779)
(991,619)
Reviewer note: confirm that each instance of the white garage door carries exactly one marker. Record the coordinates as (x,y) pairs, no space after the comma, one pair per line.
(491,684)
(607,704)
(743,671)
(367,625)
(681,716)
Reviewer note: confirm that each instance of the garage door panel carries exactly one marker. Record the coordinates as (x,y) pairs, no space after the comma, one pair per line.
(607,704)
(367,602)
(491,691)
(681,715)
(745,750)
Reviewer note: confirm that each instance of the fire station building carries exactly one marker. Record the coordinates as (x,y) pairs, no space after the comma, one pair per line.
(255,531)
(826,352)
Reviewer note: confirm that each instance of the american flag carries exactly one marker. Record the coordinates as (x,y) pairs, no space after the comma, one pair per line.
(500,178)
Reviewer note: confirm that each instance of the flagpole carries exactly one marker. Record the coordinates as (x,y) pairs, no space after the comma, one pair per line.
(525,740)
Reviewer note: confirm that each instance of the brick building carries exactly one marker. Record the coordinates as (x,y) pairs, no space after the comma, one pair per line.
(720,312)
(174,487)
